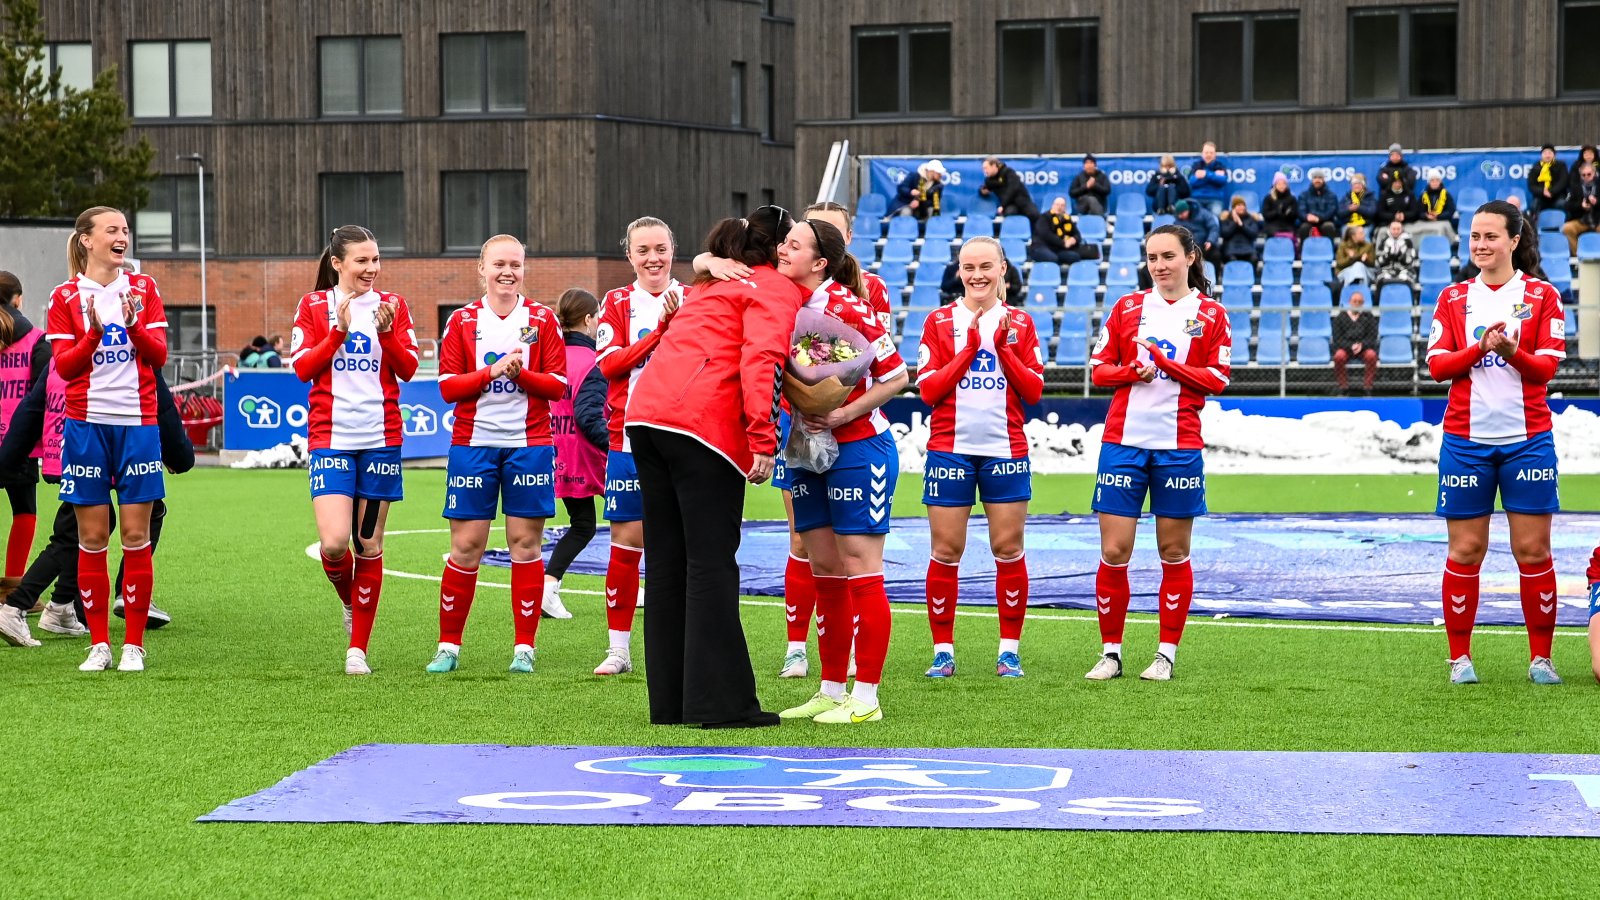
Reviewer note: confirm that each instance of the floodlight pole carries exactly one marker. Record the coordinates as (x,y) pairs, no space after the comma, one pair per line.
(200,167)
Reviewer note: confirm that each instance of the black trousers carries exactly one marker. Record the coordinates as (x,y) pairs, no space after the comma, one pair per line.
(580,511)
(697,661)
(58,561)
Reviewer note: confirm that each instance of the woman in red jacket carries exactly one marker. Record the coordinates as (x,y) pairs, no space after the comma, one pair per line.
(702,423)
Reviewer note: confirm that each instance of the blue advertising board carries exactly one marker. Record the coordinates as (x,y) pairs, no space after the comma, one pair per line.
(262,409)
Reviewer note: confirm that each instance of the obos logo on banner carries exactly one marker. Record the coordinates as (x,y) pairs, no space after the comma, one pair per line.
(264,409)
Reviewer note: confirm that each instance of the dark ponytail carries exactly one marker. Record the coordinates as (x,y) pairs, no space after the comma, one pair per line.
(338,242)
(842,266)
(1525,256)
(1197,269)
(752,240)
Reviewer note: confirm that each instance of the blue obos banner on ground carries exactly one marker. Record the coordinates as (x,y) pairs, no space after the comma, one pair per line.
(264,409)
(1496,172)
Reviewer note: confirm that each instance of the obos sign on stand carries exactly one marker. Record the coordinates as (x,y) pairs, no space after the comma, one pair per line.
(263,409)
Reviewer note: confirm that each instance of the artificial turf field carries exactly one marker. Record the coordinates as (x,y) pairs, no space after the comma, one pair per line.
(107,772)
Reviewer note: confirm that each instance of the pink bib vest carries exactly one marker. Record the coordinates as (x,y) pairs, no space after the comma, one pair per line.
(580,465)
(15,364)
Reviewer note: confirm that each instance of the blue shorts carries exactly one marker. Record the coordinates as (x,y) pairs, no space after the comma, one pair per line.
(1174,479)
(476,476)
(957,479)
(780,469)
(853,497)
(624,502)
(98,459)
(1524,473)
(358,474)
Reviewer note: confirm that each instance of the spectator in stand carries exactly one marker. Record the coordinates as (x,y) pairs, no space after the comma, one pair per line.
(1397,169)
(1002,183)
(261,354)
(1208,178)
(1359,207)
(1436,209)
(1583,206)
(1319,207)
(1353,259)
(1355,336)
(1397,257)
(1166,187)
(1547,181)
(1587,153)
(1204,226)
(1055,238)
(1090,189)
(920,191)
(1238,231)
(1280,214)
(1398,204)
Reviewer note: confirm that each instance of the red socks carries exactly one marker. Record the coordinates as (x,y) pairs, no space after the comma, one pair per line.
(527,598)
(138,579)
(942,586)
(1111,600)
(19,543)
(1539,605)
(1011,595)
(622,588)
(340,572)
(873,626)
(94,586)
(456,590)
(1460,596)
(799,597)
(367,586)
(835,629)
(1177,589)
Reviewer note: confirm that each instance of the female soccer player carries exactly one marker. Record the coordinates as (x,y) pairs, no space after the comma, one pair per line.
(633,320)
(23,360)
(578,422)
(979,362)
(108,333)
(355,345)
(842,515)
(1497,339)
(502,363)
(1163,350)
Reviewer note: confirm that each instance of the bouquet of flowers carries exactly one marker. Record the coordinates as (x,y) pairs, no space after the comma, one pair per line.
(826,360)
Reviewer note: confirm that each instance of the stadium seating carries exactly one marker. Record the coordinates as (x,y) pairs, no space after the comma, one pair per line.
(872,205)
(1270,349)
(893,272)
(1552,220)
(911,331)
(926,297)
(1519,193)
(1238,277)
(1395,296)
(1395,322)
(1075,322)
(1277,273)
(1313,351)
(864,248)
(1130,209)
(1432,289)
(1276,297)
(898,251)
(1396,350)
(934,253)
(1252,200)
(1434,247)
(1316,249)
(1210,273)
(1081,296)
(1278,249)
(927,274)
(940,228)
(1125,250)
(1092,229)
(1589,245)
(1016,227)
(1016,250)
(866,226)
(903,228)
(1351,290)
(1044,324)
(1426,319)
(1044,274)
(1316,323)
(1239,324)
(1436,270)
(1121,279)
(1084,272)
(1468,201)
(1072,350)
(1315,295)
(1163,219)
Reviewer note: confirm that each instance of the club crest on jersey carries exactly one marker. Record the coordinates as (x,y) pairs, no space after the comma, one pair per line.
(1011,336)
(136,297)
(1521,311)
(1193,327)
(603,336)
(529,335)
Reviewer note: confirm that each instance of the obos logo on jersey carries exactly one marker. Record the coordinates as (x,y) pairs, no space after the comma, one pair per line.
(115,339)
(984,373)
(357,354)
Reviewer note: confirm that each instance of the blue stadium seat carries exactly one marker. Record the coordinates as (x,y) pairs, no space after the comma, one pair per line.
(1092,229)
(1163,219)
(866,226)
(1273,322)
(1426,318)
(1044,274)
(1560,275)
(1351,290)
(911,331)
(925,297)
(1270,350)
(1125,250)
(872,205)
(894,273)
(1075,322)
(1081,296)
(1238,274)
(1468,201)
(1570,314)
(1085,272)
(1316,323)
(1279,297)
(1016,250)
(864,249)
(1553,250)
(1044,324)
(982,210)
(1589,245)
(1278,249)
(1519,193)
(1436,270)
(1552,220)
(903,228)
(1278,273)
(1315,295)
(1041,298)
(898,251)
(1211,274)
(1016,227)
(927,274)
(1313,351)
(1121,278)
(1431,291)
(1072,350)
(940,228)
(1130,210)
(1393,322)
(1395,350)
(1239,324)
(1316,249)
(1434,247)
(1395,296)
(935,253)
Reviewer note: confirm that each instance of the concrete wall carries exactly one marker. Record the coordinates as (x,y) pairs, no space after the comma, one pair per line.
(37,255)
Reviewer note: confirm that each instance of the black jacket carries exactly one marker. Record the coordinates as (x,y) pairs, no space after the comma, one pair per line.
(589,403)
(1053,230)
(1362,330)
(1392,204)
(1400,170)
(1558,180)
(1443,199)
(1007,189)
(1279,213)
(1239,241)
(1574,205)
(27,427)
(1101,189)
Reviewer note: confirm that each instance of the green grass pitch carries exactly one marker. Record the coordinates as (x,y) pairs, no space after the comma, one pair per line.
(106,773)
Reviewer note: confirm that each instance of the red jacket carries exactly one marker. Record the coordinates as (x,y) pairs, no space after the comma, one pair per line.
(717,372)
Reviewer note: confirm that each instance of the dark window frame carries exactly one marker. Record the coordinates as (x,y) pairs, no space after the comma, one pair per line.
(1247,75)
(739,89)
(903,75)
(1561,50)
(366,202)
(483,81)
(1403,64)
(1052,78)
(483,177)
(168,184)
(172,82)
(51,64)
(176,323)
(769,102)
(361,77)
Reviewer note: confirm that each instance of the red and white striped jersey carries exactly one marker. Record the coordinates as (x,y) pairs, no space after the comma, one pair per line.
(839,302)
(502,414)
(120,388)
(878,299)
(983,416)
(355,397)
(627,316)
(1492,404)
(1163,414)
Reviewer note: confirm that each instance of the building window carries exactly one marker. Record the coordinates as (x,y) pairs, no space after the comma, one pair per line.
(75,62)
(183,328)
(737,83)
(1247,60)
(485,73)
(1580,22)
(375,201)
(741,204)
(903,70)
(1403,54)
(171,79)
(478,205)
(446,310)
(360,76)
(769,103)
(170,222)
(1049,66)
